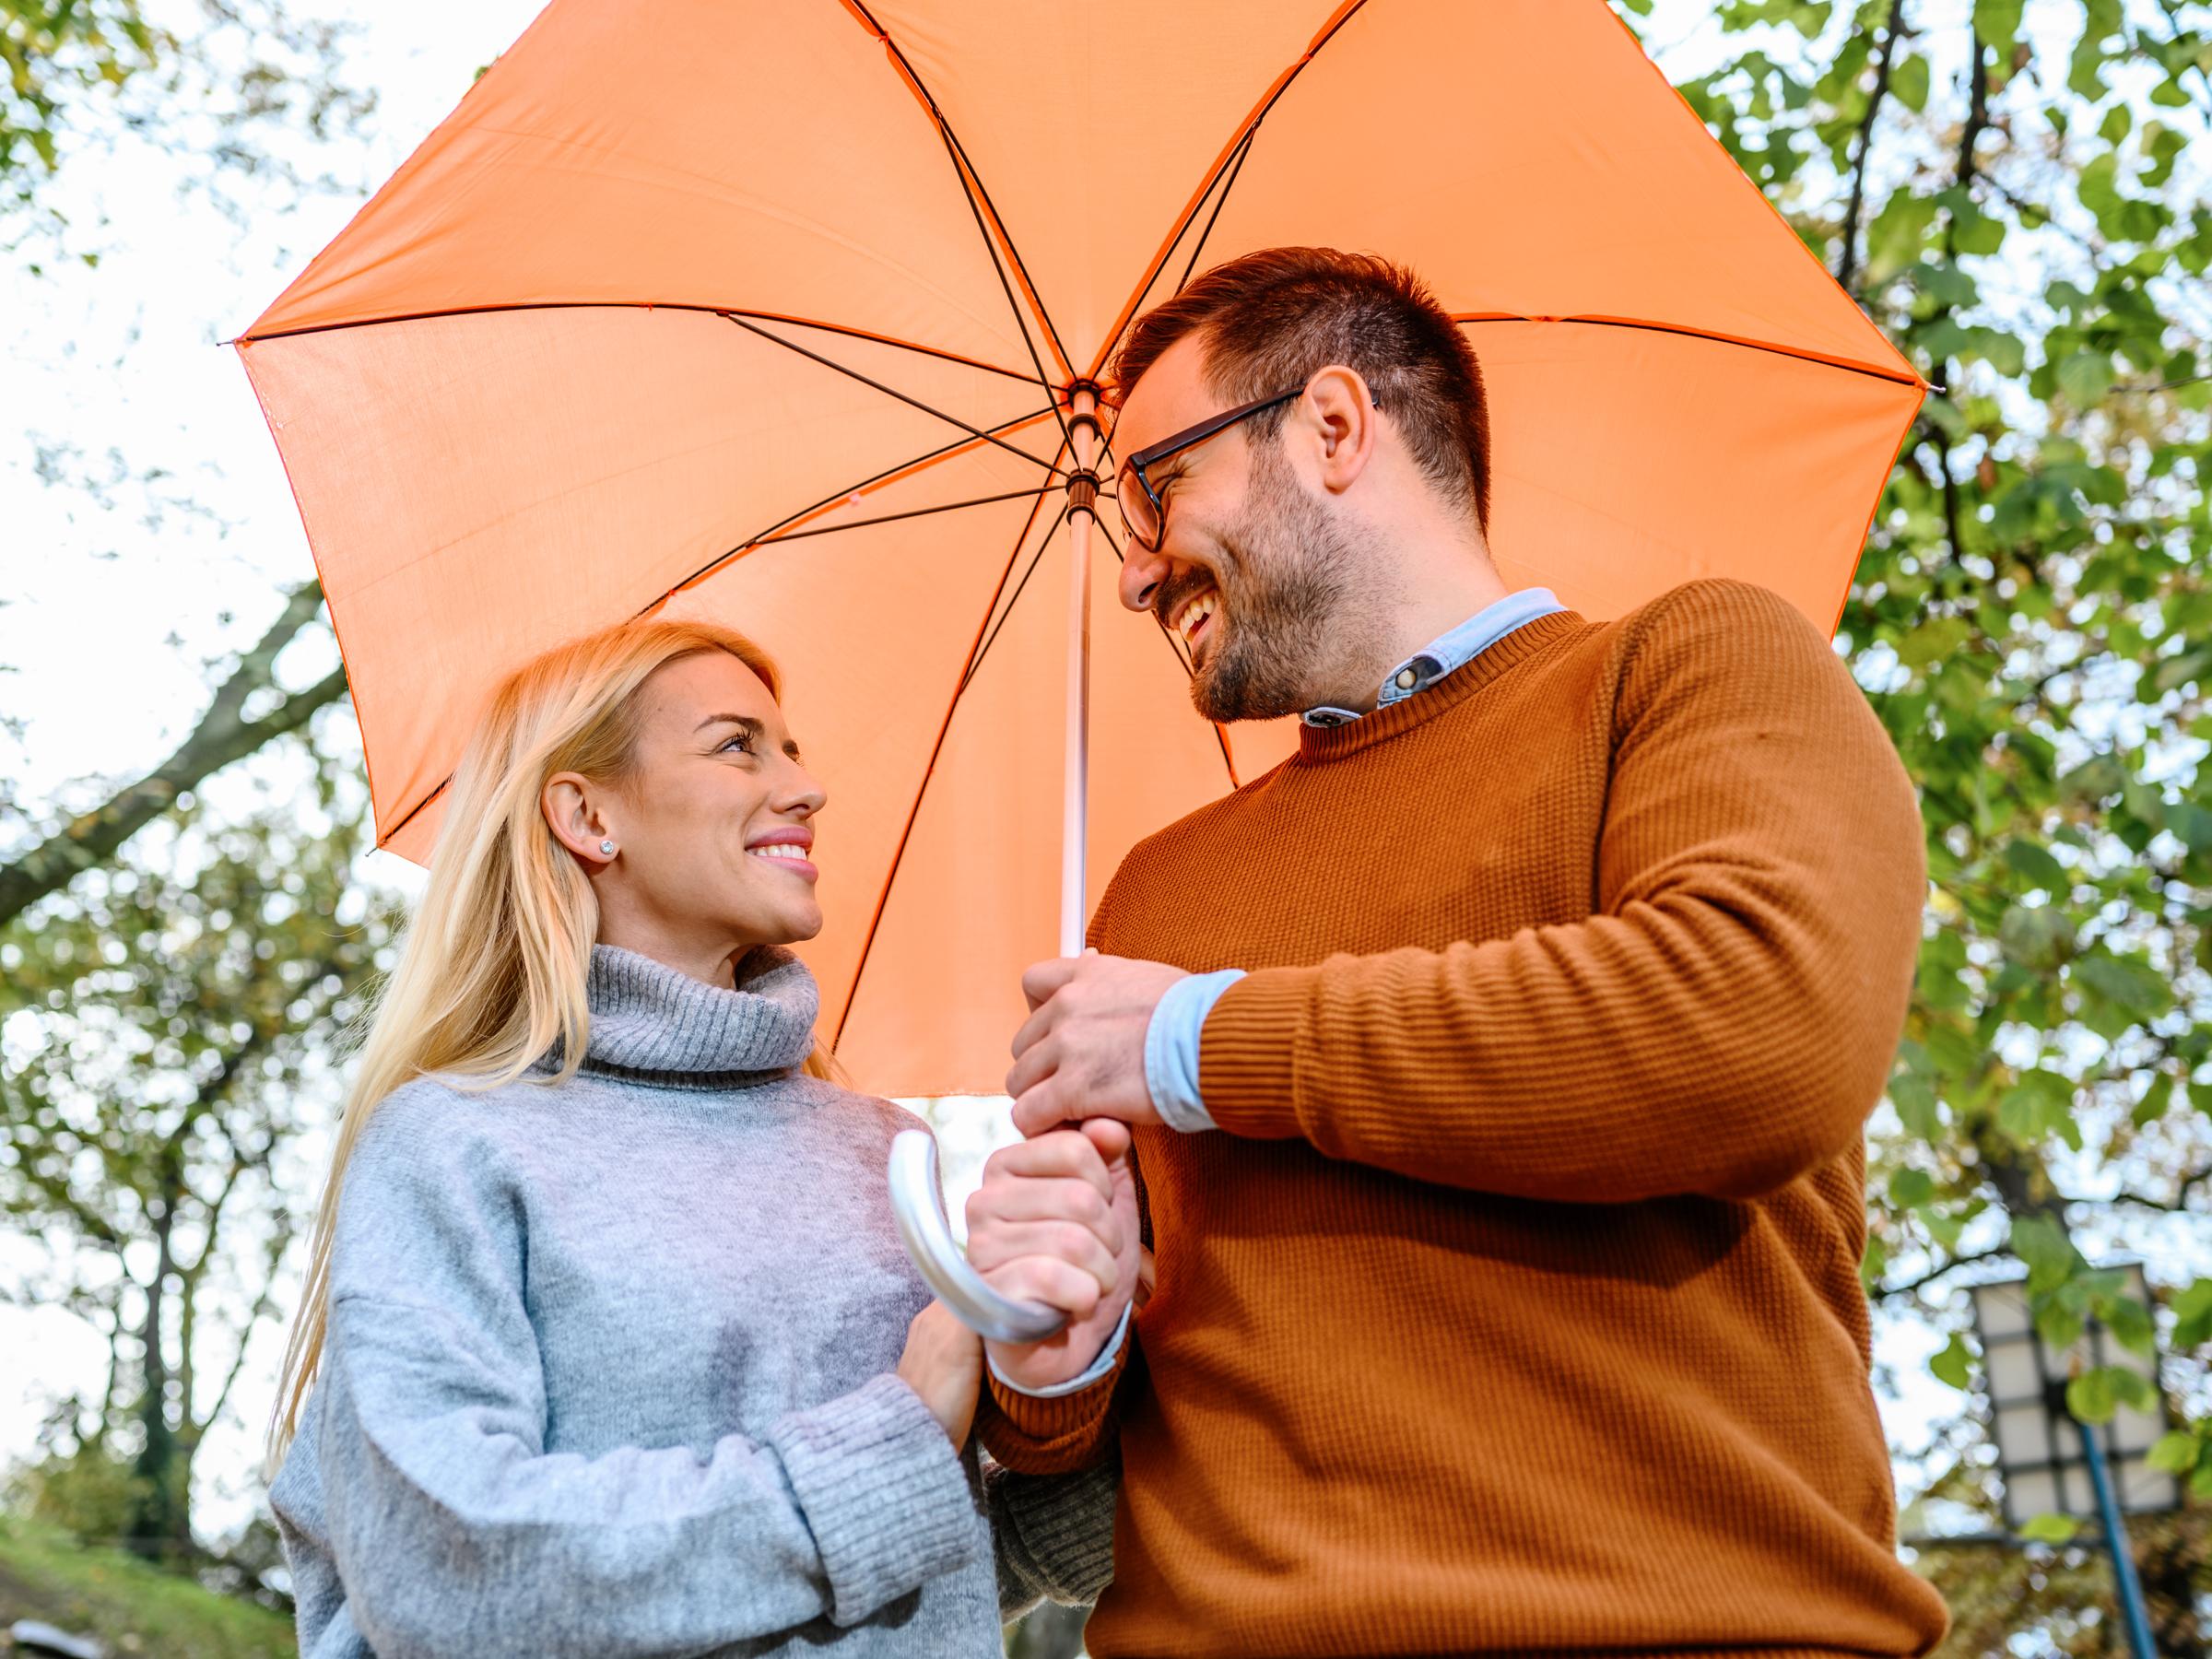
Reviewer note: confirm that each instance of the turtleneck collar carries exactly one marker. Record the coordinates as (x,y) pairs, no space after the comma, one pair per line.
(652,1024)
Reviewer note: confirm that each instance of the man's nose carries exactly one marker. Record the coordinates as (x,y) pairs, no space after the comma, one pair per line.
(1142,572)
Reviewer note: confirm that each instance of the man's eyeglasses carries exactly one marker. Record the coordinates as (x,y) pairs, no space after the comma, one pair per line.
(1144,507)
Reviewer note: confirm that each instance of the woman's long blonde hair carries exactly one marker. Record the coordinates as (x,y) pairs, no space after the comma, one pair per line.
(492,972)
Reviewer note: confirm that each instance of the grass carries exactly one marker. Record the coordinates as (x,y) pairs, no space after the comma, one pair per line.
(134,1608)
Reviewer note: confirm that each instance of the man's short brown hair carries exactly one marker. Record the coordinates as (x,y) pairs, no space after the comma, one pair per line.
(1274,319)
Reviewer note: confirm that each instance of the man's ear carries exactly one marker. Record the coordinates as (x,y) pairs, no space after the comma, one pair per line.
(1339,413)
(575,810)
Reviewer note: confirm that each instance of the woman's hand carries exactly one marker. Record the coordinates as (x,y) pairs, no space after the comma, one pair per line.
(944,1364)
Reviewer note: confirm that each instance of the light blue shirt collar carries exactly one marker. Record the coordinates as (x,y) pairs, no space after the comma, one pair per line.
(1449,652)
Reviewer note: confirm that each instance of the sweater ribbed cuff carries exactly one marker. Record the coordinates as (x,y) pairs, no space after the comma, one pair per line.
(1055,1434)
(1247,1055)
(1064,1526)
(884,1492)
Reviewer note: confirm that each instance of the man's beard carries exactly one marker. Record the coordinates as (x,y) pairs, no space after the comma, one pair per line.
(1290,598)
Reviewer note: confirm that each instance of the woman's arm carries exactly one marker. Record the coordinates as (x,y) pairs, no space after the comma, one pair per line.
(456,1530)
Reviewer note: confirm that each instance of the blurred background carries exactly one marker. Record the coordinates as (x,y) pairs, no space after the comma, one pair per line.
(2020,192)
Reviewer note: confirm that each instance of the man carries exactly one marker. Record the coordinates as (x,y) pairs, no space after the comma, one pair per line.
(1497,1066)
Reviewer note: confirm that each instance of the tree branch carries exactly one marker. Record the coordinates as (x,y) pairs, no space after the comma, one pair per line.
(1847,267)
(1929,1278)
(223,734)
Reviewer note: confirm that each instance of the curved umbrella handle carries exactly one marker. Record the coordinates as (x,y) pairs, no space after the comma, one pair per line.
(918,1205)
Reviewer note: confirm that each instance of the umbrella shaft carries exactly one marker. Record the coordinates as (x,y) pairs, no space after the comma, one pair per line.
(1075,800)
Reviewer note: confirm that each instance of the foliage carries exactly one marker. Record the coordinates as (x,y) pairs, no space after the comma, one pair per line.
(229,81)
(2008,187)
(128,1605)
(166,1027)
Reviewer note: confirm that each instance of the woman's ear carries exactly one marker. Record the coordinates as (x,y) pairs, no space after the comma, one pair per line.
(575,813)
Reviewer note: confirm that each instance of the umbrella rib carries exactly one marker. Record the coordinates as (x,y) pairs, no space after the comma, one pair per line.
(759,536)
(1691,333)
(883,894)
(1244,130)
(934,455)
(976,663)
(957,157)
(965,169)
(891,391)
(1013,253)
(1189,668)
(711,310)
(1220,201)
(889,518)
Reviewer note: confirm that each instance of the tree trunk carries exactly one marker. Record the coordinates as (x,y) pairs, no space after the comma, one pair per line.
(160,1525)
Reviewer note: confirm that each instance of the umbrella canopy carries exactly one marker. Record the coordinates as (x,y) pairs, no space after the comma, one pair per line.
(723,305)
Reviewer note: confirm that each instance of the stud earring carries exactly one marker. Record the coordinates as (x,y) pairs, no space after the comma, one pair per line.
(608,848)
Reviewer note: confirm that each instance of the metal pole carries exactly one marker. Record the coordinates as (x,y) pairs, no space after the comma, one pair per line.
(2115,1538)
(1082,493)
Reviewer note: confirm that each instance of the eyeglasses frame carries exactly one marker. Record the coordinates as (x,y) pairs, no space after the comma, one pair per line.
(1175,443)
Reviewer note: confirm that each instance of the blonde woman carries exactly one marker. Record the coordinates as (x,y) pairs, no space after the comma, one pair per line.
(608,1345)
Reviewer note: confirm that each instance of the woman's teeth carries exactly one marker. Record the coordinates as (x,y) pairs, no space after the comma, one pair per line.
(784,850)
(1195,613)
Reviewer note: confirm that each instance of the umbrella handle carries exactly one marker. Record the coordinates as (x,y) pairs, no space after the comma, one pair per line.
(918,1205)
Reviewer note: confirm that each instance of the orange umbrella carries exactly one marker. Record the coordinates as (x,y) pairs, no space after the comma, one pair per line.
(779,312)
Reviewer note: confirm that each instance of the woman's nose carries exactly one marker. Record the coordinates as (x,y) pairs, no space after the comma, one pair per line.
(801,792)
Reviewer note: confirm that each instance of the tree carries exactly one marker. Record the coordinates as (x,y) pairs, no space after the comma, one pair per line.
(170,1023)
(2002,185)
(248,710)
(225,78)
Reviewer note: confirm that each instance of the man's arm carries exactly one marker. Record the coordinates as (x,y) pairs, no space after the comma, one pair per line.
(1055,1219)
(1721,1027)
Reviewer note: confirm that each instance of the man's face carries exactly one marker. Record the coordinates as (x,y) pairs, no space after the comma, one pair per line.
(1256,572)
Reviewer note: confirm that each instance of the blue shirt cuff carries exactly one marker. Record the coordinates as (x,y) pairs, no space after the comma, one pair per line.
(1101,1368)
(1171,1048)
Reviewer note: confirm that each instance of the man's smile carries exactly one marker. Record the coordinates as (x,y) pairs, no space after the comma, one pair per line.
(1192,615)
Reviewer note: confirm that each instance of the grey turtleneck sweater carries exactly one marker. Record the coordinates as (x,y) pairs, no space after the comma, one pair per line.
(610,1368)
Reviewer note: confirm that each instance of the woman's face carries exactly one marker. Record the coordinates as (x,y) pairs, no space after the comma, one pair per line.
(713,825)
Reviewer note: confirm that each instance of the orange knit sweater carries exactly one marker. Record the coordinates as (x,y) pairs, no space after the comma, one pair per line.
(1514,1307)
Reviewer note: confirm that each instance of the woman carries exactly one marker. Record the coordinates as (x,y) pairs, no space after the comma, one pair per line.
(612,1344)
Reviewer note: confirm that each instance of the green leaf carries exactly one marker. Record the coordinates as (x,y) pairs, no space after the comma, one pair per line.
(2037,864)
(2085,378)
(2091,1396)
(1933,641)
(2129,1321)
(2173,673)
(2128,983)
(2035,937)
(1909,1189)
(1908,83)
(2193,1316)
(1955,1364)
(1998,21)
(2042,1244)
(2049,1529)
(2175,1451)
(1894,239)
(2155,1101)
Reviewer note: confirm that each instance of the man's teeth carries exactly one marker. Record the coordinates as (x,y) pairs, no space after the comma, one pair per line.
(785,849)
(1195,612)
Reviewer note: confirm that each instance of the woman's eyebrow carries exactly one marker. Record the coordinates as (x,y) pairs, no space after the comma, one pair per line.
(744,723)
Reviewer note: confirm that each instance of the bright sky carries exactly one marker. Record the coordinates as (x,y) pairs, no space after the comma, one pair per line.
(112,599)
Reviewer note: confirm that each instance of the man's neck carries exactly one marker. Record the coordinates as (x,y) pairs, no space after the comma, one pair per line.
(1441,580)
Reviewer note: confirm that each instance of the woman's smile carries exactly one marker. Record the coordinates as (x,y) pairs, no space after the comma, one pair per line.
(786,849)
